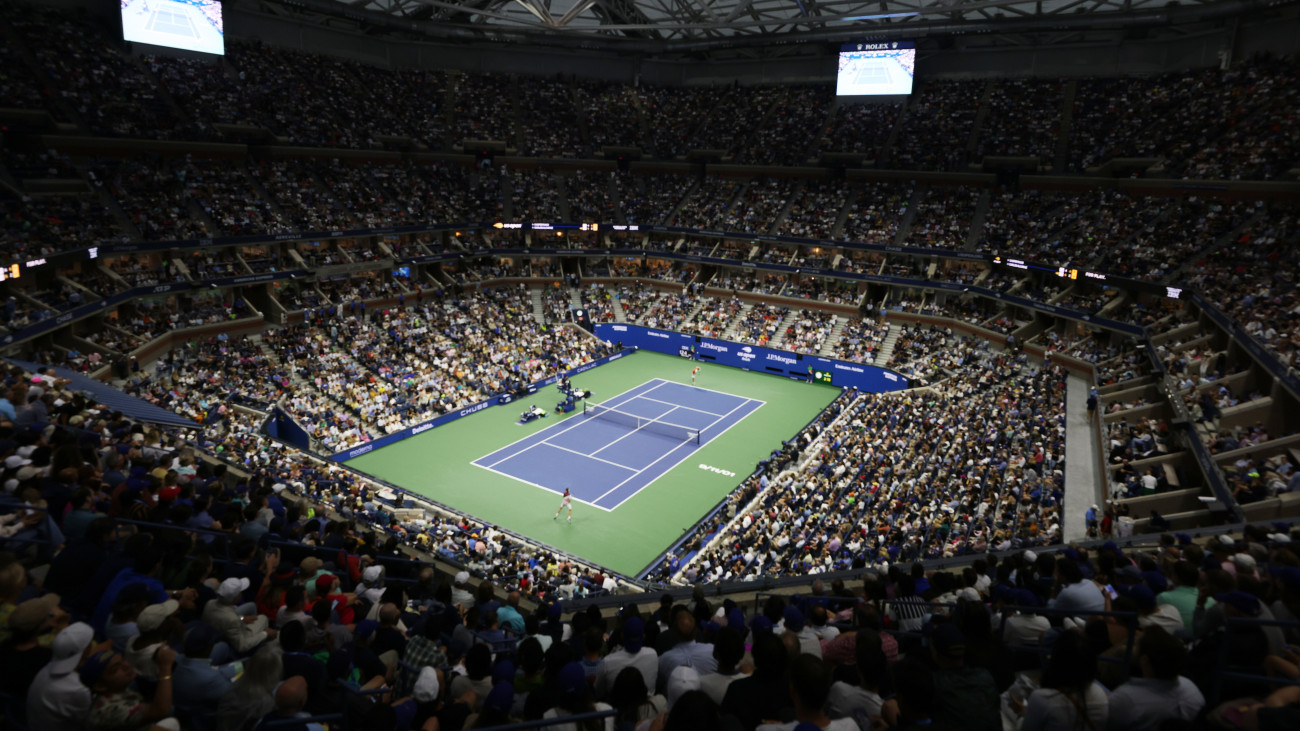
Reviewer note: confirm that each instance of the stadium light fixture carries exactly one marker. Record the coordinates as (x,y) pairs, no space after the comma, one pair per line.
(881,16)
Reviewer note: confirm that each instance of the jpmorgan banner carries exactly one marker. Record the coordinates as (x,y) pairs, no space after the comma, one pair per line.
(753,358)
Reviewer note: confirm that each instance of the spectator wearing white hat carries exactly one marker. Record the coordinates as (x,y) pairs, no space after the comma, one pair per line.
(372,586)
(57,700)
(460,590)
(157,624)
(243,633)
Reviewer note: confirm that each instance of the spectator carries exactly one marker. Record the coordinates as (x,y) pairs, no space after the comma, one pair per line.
(57,700)
(1161,693)
(200,684)
(115,705)
(964,696)
(1069,697)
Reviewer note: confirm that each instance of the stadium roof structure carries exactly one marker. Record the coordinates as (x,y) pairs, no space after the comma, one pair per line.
(702,28)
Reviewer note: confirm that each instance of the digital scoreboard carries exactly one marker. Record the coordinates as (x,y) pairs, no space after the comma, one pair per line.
(876,69)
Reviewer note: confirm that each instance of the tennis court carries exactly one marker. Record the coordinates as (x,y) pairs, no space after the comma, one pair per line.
(613,450)
(628,528)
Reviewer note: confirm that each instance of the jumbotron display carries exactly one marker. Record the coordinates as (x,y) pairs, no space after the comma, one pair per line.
(876,69)
(191,25)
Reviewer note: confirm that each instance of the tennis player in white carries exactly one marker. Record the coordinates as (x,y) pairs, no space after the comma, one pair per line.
(566,502)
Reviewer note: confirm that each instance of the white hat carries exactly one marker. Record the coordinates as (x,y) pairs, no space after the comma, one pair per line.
(426,686)
(26,473)
(68,646)
(1030,556)
(1279,537)
(1226,540)
(278,487)
(1244,561)
(372,574)
(683,679)
(462,577)
(230,589)
(153,616)
(13,462)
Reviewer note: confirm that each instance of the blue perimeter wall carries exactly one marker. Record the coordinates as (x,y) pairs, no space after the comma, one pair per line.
(870,379)
(495,400)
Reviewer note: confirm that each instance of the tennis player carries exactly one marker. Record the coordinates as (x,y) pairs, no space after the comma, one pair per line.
(566,502)
(694,371)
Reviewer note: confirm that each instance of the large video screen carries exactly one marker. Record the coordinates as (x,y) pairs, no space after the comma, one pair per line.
(876,69)
(193,25)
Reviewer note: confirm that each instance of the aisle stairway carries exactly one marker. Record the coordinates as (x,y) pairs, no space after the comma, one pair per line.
(828,347)
(730,333)
(778,340)
(887,347)
(539,307)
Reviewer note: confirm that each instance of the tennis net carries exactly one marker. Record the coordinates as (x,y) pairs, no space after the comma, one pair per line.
(679,431)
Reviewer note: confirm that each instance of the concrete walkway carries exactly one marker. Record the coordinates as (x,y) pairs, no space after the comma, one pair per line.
(1081,460)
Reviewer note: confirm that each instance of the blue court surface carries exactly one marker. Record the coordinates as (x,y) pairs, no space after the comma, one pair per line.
(603,460)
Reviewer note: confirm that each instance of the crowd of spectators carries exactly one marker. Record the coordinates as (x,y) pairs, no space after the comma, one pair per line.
(860,339)
(1023,120)
(808,331)
(913,476)
(759,324)
(943,218)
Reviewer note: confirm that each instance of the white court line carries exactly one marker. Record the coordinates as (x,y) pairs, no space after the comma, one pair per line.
(634,431)
(576,423)
(670,403)
(701,446)
(544,487)
(674,449)
(589,456)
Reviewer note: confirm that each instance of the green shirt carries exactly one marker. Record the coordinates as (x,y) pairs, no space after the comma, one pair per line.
(1183,598)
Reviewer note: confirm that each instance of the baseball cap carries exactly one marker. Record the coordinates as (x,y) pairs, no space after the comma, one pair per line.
(634,635)
(154,615)
(462,577)
(68,646)
(573,680)
(793,618)
(426,686)
(1244,561)
(365,628)
(1242,601)
(94,667)
(500,698)
(1288,575)
(13,462)
(1142,594)
(372,574)
(1024,598)
(200,638)
(324,583)
(948,640)
(503,672)
(683,680)
(31,614)
(1130,572)
(231,588)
